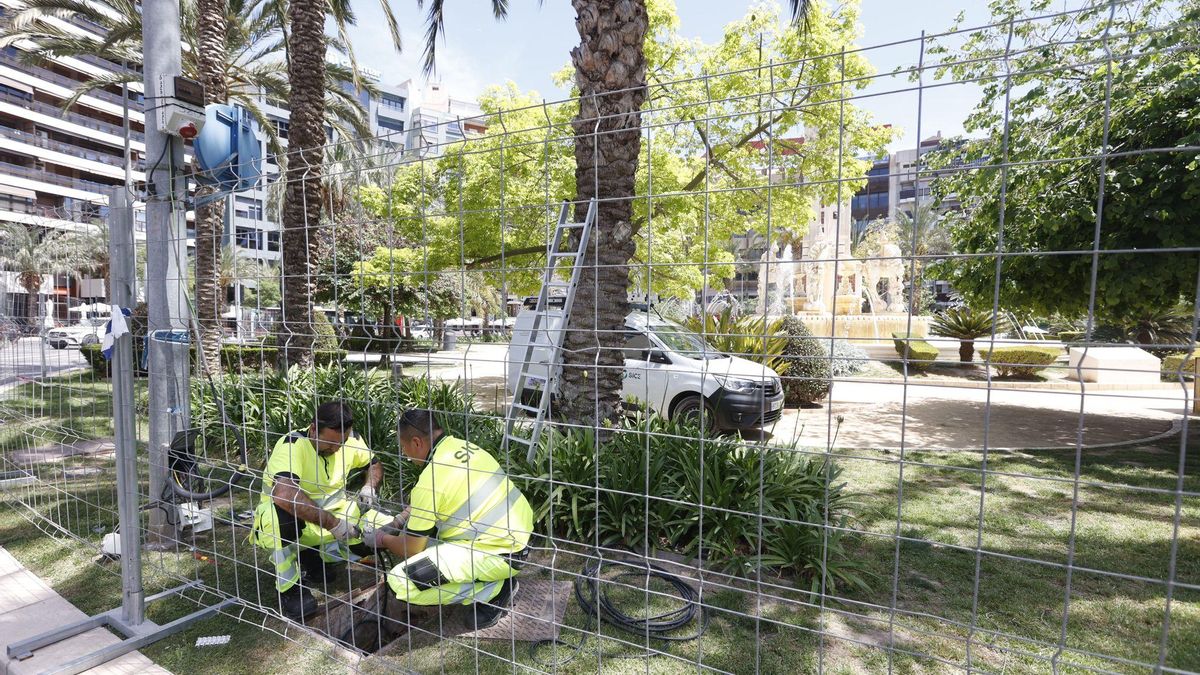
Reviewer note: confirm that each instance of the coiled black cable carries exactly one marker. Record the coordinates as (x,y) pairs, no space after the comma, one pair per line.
(594,602)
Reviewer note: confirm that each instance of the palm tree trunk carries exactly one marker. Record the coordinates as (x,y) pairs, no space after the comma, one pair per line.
(966,351)
(211,59)
(31,305)
(610,71)
(302,201)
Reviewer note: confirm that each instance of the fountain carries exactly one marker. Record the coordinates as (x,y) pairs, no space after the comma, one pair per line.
(826,287)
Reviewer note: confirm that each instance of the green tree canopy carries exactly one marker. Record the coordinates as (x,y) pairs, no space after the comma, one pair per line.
(1139,71)
(717,115)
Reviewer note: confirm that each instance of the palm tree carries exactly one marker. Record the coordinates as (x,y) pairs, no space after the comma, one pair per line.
(236,49)
(210,58)
(253,62)
(31,252)
(610,75)
(308,75)
(922,234)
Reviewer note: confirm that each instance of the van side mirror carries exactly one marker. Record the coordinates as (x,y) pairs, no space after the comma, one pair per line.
(658,357)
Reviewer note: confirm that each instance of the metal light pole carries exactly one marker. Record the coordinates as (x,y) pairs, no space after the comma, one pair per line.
(166,250)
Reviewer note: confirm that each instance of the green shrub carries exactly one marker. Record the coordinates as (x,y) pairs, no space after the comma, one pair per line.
(967,325)
(805,372)
(101,366)
(800,493)
(1021,361)
(1068,336)
(755,338)
(325,337)
(696,503)
(916,353)
(1173,364)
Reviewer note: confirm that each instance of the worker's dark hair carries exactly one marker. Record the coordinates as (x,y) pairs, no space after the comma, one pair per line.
(334,415)
(418,421)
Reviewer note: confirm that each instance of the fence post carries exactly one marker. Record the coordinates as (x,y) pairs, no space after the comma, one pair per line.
(121,256)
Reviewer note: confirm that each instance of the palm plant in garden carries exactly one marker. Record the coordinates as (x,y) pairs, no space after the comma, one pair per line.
(967,325)
(31,252)
(610,78)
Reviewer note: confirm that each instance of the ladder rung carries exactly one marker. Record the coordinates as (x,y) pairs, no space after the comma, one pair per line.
(518,439)
(565,254)
(572,226)
(557,284)
(522,406)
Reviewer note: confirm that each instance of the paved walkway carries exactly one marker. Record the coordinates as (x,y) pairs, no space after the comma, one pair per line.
(29,607)
(955,418)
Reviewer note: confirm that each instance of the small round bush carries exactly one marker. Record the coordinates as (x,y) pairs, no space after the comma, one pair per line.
(806,376)
(848,359)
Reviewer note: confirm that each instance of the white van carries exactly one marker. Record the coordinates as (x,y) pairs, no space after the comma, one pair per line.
(673,371)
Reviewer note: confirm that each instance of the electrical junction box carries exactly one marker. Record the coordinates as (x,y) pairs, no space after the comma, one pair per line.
(192,515)
(180,111)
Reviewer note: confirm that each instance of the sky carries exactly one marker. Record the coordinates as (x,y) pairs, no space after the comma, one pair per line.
(536,41)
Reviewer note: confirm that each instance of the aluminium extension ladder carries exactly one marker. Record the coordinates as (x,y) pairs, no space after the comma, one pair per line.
(545,315)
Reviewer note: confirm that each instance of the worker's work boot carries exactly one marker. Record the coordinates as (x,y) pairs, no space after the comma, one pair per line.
(297,602)
(487,614)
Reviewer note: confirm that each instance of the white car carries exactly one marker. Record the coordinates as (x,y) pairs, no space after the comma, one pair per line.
(86,332)
(673,371)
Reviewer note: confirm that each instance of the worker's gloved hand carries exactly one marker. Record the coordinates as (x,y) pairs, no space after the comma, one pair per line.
(367,498)
(374,537)
(343,531)
(402,519)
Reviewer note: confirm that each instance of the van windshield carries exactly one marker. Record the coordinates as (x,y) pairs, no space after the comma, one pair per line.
(684,342)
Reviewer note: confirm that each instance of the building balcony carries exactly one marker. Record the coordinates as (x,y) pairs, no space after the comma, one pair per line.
(67,149)
(63,81)
(74,118)
(43,176)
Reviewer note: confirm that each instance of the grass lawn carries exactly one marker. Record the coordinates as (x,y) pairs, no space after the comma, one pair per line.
(1013,594)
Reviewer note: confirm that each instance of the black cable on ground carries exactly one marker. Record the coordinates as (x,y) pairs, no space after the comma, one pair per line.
(594,601)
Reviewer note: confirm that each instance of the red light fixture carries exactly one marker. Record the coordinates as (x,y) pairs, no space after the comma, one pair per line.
(188,131)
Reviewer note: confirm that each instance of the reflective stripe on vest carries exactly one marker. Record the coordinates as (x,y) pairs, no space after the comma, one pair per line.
(497,516)
(477,496)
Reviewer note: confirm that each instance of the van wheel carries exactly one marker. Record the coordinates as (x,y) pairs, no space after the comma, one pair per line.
(697,411)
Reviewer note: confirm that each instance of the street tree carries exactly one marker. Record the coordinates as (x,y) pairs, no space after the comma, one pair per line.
(1091,169)
(715,117)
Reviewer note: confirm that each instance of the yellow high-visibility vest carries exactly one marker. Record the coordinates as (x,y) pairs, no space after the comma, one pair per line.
(464,494)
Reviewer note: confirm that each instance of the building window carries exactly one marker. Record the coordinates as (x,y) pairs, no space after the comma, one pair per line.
(392,102)
(273,241)
(281,128)
(248,237)
(246,207)
(454,130)
(17,93)
(389,124)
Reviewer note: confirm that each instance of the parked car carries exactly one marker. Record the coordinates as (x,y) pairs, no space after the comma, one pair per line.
(673,371)
(86,332)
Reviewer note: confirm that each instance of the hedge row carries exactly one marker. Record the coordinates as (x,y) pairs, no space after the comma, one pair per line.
(1024,361)
(1172,364)
(234,358)
(918,353)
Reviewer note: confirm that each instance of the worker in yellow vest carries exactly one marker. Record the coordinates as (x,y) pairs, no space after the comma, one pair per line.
(306,518)
(467,529)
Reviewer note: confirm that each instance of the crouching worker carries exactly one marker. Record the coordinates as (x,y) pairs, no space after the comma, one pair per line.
(467,528)
(306,518)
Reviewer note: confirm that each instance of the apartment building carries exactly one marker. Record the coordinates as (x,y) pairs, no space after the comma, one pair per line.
(56,167)
(437,120)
